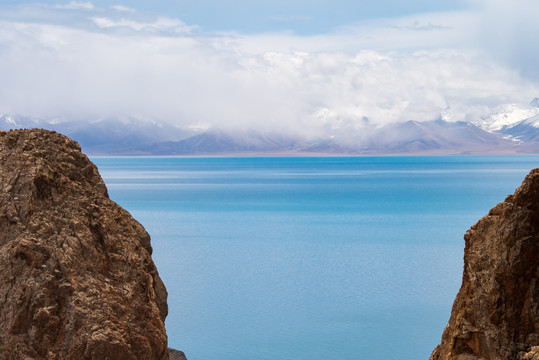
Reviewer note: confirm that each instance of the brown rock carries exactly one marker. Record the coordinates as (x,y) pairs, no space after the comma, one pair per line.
(179,355)
(496,312)
(76,276)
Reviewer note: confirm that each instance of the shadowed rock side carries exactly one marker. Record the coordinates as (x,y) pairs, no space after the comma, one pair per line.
(176,354)
(495,314)
(76,277)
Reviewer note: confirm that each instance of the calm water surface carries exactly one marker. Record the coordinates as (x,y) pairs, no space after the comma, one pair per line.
(344,258)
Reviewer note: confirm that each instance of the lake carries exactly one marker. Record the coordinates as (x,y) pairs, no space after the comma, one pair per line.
(307,258)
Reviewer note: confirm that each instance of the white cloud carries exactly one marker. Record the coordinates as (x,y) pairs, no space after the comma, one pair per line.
(77,5)
(123,8)
(423,31)
(160,24)
(391,71)
(508,31)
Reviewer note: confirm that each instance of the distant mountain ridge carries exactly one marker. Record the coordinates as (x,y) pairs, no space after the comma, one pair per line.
(524,131)
(107,136)
(511,129)
(218,141)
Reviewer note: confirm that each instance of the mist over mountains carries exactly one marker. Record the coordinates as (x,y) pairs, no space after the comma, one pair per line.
(510,130)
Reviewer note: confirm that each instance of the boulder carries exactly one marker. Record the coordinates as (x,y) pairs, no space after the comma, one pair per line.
(77,280)
(496,312)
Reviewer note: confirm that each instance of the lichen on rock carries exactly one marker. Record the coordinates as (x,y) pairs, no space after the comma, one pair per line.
(495,315)
(77,280)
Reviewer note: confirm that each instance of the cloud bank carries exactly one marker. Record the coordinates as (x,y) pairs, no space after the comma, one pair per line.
(508,32)
(82,62)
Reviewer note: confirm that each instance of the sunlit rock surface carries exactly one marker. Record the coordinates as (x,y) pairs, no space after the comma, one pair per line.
(495,314)
(77,280)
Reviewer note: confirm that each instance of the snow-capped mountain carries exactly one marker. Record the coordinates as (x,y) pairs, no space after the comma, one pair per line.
(516,123)
(412,137)
(103,136)
(436,137)
(8,122)
(509,129)
(523,132)
(508,115)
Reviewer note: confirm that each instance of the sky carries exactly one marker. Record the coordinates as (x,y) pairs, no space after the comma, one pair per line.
(297,65)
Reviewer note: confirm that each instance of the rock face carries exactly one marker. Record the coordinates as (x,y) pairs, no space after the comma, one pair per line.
(76,277)
(176,354)
(496,312)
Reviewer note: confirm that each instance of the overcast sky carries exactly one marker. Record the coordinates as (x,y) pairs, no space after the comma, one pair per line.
(297,64)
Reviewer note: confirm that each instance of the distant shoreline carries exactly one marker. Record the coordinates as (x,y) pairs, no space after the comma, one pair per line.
(301,154)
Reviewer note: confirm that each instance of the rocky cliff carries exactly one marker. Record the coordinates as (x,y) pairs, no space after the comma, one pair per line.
(496,312)
(76,277)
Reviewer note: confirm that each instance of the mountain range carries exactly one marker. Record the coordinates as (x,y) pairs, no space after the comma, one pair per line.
(511,130)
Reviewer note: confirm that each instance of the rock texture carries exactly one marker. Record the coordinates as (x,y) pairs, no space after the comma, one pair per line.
(76,277)
(496,312)
(176,354)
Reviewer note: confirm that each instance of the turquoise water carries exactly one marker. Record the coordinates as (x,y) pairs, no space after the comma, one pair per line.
(341,258)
